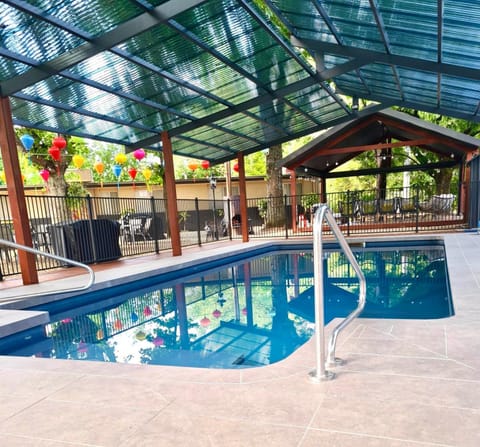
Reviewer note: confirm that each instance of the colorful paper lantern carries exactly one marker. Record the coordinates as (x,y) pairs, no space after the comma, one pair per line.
(45,174)
(205,164)
(147,174)
(54,152)
(236,168)
(139,154)
(59,142)
(216,313)
(132,172)
(117,171)
(78,161)
(120,158)
(244,311)
(192,165)
(3,177)
(27,141)
(99,167)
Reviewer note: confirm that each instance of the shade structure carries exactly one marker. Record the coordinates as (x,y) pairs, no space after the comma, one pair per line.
(222,76)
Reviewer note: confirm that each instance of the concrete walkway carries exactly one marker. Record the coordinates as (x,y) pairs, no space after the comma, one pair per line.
(406,383)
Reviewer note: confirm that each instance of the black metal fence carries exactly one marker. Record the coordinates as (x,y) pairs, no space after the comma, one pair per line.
(95,229)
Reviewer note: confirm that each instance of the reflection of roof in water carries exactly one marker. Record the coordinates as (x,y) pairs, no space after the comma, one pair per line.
(427,296)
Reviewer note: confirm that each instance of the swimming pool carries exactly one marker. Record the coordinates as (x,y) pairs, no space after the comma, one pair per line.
(248,313)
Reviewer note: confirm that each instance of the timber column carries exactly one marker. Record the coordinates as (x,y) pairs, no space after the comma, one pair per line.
(170,187)
(243,196)
(16,195)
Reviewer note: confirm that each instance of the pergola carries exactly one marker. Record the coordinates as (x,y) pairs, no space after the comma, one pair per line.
(219,79)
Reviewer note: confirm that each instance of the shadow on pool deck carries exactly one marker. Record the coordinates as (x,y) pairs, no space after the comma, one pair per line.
(405,383)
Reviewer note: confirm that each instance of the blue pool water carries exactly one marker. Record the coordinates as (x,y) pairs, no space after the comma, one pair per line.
(250,313)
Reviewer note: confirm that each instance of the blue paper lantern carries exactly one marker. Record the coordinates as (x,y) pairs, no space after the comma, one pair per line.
(27,141)
(117,170)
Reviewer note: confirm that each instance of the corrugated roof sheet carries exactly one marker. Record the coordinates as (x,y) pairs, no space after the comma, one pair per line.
(220,77)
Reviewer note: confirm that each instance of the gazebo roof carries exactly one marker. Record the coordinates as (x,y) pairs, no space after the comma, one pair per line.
(221,77)
(343,142)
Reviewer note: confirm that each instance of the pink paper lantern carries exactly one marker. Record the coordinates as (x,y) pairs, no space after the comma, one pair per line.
(45,174)
(139,154)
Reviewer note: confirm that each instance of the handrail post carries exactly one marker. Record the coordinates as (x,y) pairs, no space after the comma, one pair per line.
(35,251)
(323,212)
(320,373)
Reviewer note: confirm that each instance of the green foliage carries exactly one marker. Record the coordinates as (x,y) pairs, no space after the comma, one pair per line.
(262,208)
(309,200)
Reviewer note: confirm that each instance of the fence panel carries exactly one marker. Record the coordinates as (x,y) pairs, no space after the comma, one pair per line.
(93,229)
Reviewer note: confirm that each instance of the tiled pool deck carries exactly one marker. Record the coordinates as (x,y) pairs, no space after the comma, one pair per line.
(406,383)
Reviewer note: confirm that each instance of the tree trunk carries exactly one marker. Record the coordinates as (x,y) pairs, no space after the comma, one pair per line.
(443,179)
(275,209)
(384,160)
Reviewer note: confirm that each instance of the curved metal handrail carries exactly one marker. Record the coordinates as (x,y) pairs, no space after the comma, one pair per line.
(57,258)
(324,212)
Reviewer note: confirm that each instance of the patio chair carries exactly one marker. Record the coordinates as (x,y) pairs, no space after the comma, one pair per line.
(389,207)
(408,206)
(437,204)
(6,233)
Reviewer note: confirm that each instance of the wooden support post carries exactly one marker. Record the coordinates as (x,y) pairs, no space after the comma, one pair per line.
(170,188)
(243,196)
(16,196)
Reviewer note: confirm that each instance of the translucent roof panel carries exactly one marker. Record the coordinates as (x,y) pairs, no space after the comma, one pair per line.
(408,53)
(222,76)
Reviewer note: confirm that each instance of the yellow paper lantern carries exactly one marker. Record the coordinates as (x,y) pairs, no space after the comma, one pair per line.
(2,176)
(78,161)
(121,158)
(147,174)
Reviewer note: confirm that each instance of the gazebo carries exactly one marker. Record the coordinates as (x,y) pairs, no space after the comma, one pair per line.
(220,79)
(381,131)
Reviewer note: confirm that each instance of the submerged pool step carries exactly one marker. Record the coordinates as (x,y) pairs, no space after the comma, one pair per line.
(21,327)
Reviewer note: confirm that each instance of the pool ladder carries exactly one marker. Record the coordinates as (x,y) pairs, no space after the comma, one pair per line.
(61,259)
(321,373)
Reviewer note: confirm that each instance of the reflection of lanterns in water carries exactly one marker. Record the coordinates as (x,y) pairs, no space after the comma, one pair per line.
(205,322)
(100,334)
(118,325)
(216,313)
(158,342)
(134,317)
(140,335)
(147,311)
(82,350)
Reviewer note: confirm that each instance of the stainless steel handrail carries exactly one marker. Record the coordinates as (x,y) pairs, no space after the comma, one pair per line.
(35,251)
(324,212)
